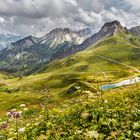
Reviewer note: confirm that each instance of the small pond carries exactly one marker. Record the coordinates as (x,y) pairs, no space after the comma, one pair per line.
(122,83)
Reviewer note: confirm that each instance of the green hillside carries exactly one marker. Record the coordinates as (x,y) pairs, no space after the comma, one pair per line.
(70,88)
(88,66)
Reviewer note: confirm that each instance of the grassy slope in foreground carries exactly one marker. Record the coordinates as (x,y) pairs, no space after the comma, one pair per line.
(110,115)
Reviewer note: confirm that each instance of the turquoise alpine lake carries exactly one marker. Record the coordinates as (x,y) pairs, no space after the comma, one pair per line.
(130,81)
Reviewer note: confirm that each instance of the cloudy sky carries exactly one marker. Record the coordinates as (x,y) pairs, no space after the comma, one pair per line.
(38,17)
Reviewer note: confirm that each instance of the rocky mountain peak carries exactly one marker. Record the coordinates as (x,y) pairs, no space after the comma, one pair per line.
(62,35)
(111,27)
(113,23)
(60,30)
(108,29)
(66,30)
(24,43)
(25,40)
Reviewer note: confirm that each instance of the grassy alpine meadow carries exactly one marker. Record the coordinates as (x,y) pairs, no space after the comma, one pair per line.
(112,114)
(64,101)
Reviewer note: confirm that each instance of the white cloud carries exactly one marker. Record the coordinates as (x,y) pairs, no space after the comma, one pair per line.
(2,20)
(114,10)
(135,3)
(73,2)
(41,16)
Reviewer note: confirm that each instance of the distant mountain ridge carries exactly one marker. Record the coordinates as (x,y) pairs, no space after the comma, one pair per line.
(6,39)
(30,53)
(135,30)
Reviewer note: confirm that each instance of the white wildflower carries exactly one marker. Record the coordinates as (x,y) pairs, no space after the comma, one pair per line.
(14,109)
(25,109)
(22,105)
(21,130)
(36,124)
(105,101)
(8,113)
(93,134)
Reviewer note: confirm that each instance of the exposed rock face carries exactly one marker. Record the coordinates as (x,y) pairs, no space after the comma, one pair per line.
(29,52)
(23,43)
(135,30)
(111,28)
(59,36)
(108,29)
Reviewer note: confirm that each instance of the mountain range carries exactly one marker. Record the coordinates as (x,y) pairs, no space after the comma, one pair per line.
(68,83)
(6,39)
(29,54)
